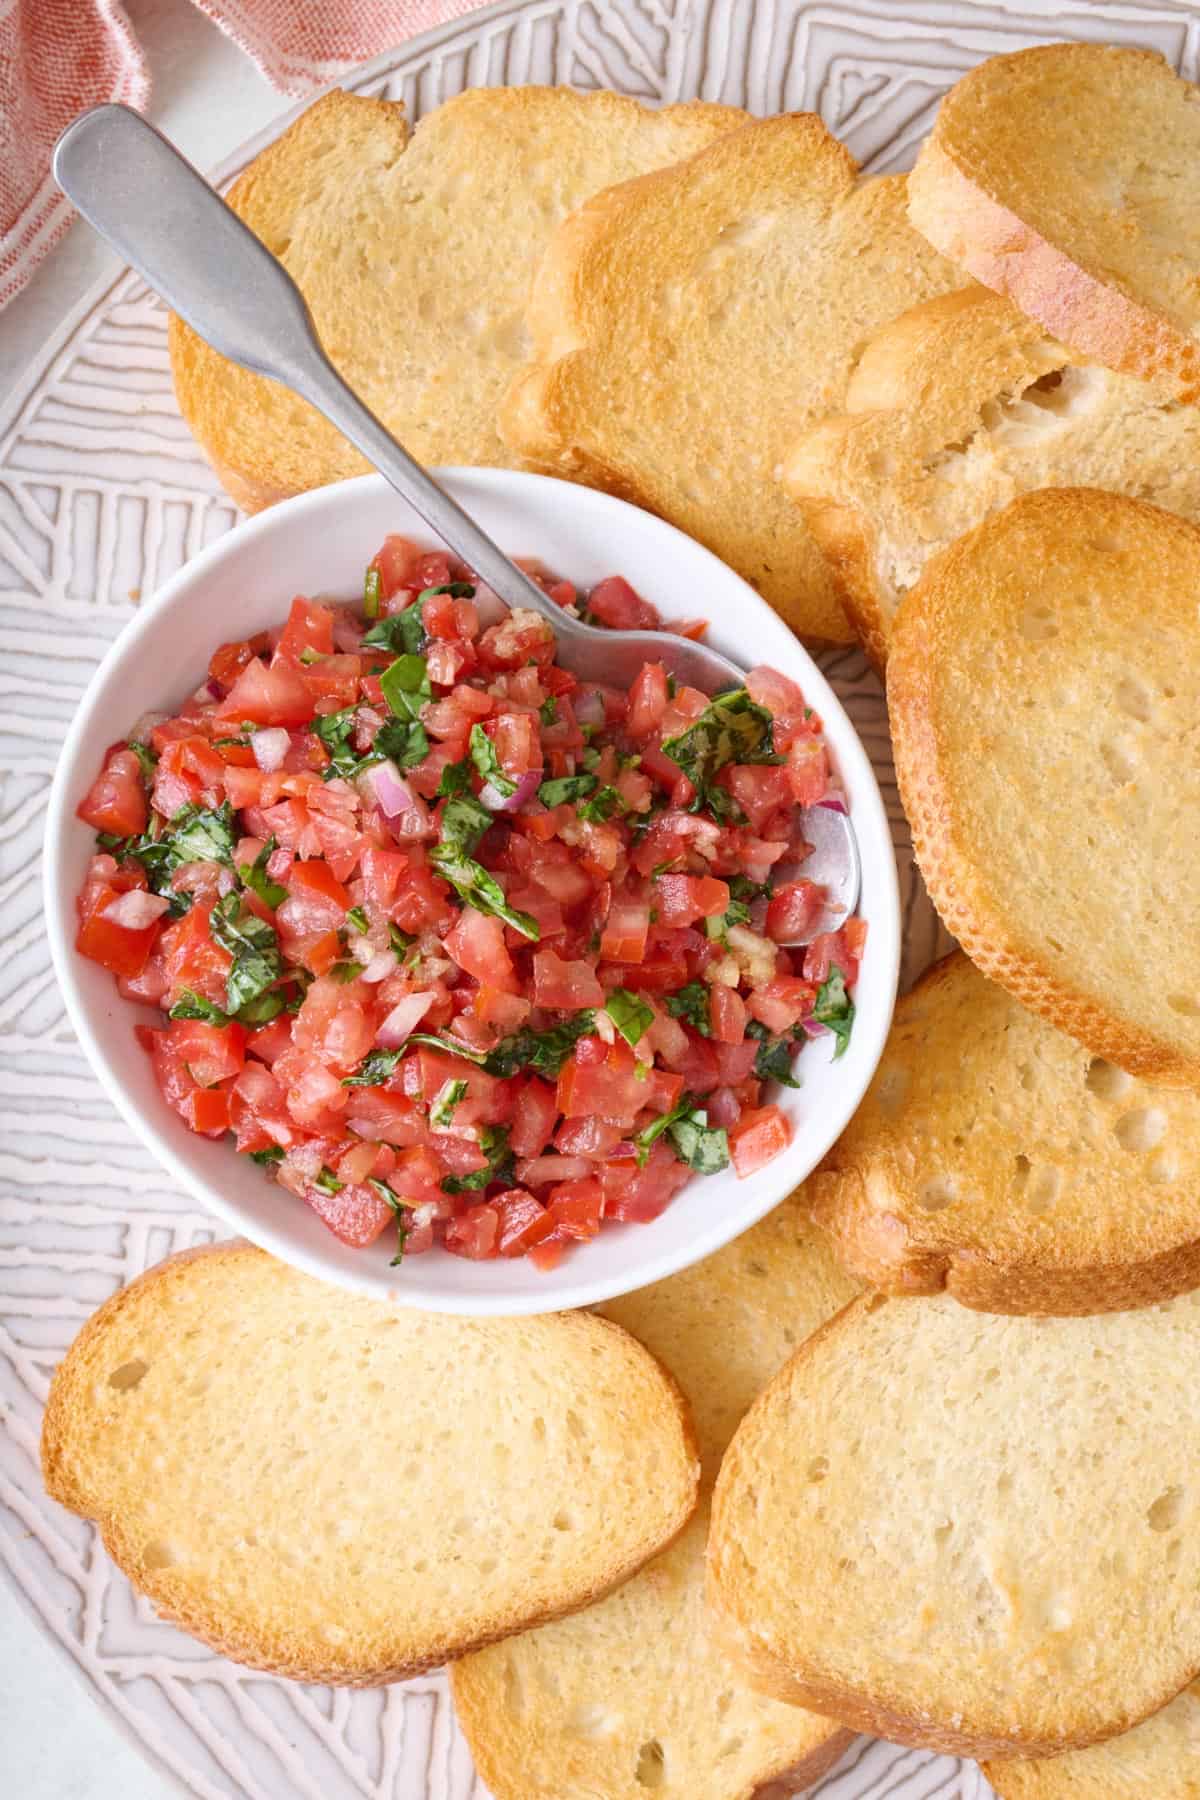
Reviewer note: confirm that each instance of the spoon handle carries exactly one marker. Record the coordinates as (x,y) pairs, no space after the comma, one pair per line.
(163,218)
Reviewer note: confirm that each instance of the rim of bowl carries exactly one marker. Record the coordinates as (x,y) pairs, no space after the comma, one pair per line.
(418,1290)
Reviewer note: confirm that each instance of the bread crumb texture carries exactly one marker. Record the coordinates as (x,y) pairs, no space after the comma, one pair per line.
(1157,1760)
(337,1489)
(631,1695)
(970,1532)
(415,257)
(1043,691)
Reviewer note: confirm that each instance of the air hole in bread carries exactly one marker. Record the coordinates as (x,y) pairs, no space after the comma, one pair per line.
(1106,1081)
(1174,1550)
(563,1522)
(1022,1166)
(818,1468)
(730,1747)
(1037,624)
(1167,1511)
(158,1556)
(1141,1129)
(128,1375)
(651,1771)
(942,1532)
(1132,698)
(1185,1005)
(939,1192)
(1119,760)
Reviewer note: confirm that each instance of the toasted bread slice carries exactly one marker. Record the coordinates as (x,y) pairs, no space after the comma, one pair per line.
(415,258)
(994,1157)
(331,1488)
(1043,689)
(688,325)
(969,1532)
(630,1694)
(1157,1760)
(1068,177)
(954,409)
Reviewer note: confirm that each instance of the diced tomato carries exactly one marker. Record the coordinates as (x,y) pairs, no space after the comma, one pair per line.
(794,909)
(647,701)
(835,949)
(123,948)
(477,946)
(610,1088)
(682,899)
(315,880)
(193,960)
(808,770)
(577,1207)
(782,1002)
(524,1222)
(567,986)
(534,1113)
(760,792)
(189,773)
(727,1012)
(475,1232)
(398,564)
(518,745)
(211,1053)
(589,1136)
(228,661)
(734,1062)
(639,1195)
(615,603)
(268,696)
(309,627)
(757,1138)
(624,935)
(116,800)
(488,1100)
(356,1213)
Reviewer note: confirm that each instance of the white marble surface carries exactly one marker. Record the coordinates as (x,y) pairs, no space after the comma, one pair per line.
(55,1744)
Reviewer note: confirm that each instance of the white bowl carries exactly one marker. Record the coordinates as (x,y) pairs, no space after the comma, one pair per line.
(320,543)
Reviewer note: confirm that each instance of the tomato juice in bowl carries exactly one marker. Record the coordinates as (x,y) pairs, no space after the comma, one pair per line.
(317,546)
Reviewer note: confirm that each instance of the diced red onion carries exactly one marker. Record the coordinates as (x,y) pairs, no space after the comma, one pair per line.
(488,605)
(758,914)
(832,803)
(527,786)
(380,966)
(589,707)
(404,1018)
(723,1107)
(145,725)
(541,1169)
(270,747)
(813,1028)
(136,909)
(392,794)
(347,630)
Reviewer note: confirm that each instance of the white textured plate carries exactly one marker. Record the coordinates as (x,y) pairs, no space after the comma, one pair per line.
(102,496)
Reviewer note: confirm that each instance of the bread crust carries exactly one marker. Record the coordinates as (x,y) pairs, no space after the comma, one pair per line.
(289,1652)
(1090,308)
(921,712)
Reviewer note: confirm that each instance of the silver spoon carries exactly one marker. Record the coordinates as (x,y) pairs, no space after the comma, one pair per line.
(163,218)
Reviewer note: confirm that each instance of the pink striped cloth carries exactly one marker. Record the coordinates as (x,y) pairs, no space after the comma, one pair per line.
(59,56)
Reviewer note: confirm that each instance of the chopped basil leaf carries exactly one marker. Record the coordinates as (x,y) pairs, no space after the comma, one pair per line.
(399,940)
(774,1059)
(646,1138)
(243,742)
(691,1003)
(402,633)
(263,1009)
(344,972)
(403,741)
(732,729)
(589,758)
(203,836)
(736,913)
(477,888)
(266,1157)
(561,790)
(456,779)
(397,1204)
(378,1066)
(372,593)
(548,710)
(442,1040)
(147,761)
(703,1147)
(191,1005)
(334,731)
(543,1051)
(448,1097)
(328,1182)
(493,1142)
(357,920)
(309,656)
(405,685)
(631,1016)
(253,946)
(254,875)
(464,821)
(834,1008)
(742,888)
(601,806)
(483,755)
